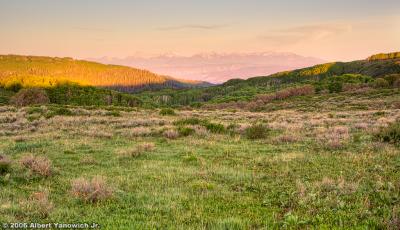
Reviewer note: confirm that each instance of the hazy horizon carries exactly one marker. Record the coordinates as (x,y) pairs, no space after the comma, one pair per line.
(336,32)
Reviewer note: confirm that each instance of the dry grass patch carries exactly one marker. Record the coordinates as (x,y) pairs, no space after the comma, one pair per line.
(335,137)
(92,191)
(288,156)
(201,131)
(140,131)
(88,160)
(98,134)
(38,204)
(38,165)
(21,138)
(171,134)
(287,138)
(138,150)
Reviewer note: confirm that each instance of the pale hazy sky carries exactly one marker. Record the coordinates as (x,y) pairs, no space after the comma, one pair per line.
(332,30)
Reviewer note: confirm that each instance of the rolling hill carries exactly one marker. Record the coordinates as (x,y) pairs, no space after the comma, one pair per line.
(29,71)
(376,66)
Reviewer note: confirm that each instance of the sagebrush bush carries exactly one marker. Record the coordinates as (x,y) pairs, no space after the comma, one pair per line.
(38,165)
(390,134)
(167,112)
(30,96)
(5,164)
(38,205)
(171,134)
(257,131)
(91,190)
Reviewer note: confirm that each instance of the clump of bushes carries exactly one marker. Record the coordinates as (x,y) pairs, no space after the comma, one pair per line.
(167,112)
(59,111)
(185,131)
(38,165)
(393,80)
(381,83)
(390,134)
(257,131)
(189,121)
(30,96)
(215,128)
(5,164)
(91,190)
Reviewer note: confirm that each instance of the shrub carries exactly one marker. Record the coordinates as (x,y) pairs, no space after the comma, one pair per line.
(390,134)
(39,204)
(91,191)
(5,164)
(37,165)
(381,83)
(31,96)
(167,112)
(215,128)
(185,131)
(171,134)
(257,131)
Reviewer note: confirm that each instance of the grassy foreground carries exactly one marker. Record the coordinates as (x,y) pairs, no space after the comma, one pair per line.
(319,168)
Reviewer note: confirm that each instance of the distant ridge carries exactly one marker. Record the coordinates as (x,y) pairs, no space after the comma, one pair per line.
(384,56)
(48,71)
(216,67)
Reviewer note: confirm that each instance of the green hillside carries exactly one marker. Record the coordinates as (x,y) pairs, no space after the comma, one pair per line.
(375,67)
(31,71)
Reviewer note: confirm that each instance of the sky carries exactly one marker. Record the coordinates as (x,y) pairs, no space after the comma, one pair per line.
(337,30)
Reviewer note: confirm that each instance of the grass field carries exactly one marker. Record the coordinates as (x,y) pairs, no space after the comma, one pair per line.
(319,167)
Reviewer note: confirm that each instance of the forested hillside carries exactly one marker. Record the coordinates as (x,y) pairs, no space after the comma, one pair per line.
(30,71)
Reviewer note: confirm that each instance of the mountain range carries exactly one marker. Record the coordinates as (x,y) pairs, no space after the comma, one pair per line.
(216,67)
